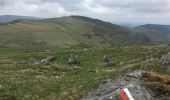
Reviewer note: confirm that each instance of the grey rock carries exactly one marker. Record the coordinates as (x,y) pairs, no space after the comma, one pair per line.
(165,59)
(152,61)
(106,62)
(47,60)
(110,90)
(136,74)
(73,60)
(105,59)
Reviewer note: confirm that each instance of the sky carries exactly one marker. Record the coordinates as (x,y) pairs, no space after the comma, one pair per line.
(115,11)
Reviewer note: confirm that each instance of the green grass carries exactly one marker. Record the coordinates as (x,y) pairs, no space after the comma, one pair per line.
(66,32)
(58,81)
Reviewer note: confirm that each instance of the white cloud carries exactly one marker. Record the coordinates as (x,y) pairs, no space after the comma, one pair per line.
(148,11)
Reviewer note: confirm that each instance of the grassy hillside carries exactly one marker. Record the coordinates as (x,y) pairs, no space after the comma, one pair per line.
(158,34)
(59,81)
(67,31)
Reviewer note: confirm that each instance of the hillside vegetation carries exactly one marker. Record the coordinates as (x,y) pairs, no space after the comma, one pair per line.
(66,32)
(158,34)
(60,81)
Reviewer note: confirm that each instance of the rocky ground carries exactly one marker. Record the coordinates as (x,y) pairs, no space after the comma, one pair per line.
(53,74)
(142,85)
(137,82)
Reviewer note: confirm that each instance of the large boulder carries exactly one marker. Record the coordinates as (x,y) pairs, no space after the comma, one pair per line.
(129,86)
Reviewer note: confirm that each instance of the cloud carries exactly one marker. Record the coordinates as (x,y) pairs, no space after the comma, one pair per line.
(149,11)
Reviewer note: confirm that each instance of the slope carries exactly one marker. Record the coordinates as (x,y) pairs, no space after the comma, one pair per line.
(67,31)
(158,34)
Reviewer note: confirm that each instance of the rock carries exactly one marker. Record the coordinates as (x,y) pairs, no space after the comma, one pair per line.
(85,49)
(105,59)
(152,61)
(91,71)
(165,59)
(106,62)
(121,63)
(130,82)
(73,60)
(136,74)
(47,60)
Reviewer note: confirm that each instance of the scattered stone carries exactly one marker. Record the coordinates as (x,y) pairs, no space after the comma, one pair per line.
(47,60)
(85,49)
(73,60)
(105,59)
(121,63)
(106,62)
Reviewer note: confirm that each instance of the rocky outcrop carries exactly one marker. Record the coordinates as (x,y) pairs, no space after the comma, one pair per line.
(45,61)
(165,59)
(131,84)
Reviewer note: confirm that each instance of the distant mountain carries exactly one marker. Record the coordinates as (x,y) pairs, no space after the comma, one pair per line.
(129,24)
(165,29)
(157,34)
(67,31)
(11,18)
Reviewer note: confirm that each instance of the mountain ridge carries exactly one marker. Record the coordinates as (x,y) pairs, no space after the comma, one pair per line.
(67,31)
(71,31)
(10,18)
(158,34)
